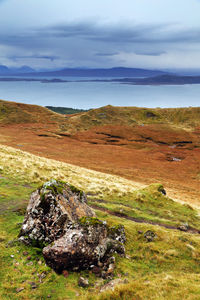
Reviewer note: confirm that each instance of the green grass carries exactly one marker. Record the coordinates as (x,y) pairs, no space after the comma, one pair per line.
(167,268)
(151,205)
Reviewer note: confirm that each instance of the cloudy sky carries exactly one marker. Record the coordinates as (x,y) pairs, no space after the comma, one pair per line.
(100,33)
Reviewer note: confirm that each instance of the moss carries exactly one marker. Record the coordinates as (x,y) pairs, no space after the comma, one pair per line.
(57,187)
(88,221)
(117,229)
(76,190)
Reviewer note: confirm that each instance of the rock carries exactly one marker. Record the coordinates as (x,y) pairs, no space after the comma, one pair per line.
(88,243)
(65,273)
(32,284)
(52,208)
(97,271)
(183,227)
(59,220)
(41,276)
(25,253)
(111,268)
(18,290)
(29,258)
(83,282)
(112,284)
(150,236)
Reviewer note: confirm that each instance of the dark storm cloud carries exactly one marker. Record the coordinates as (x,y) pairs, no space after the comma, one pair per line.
(107,54)
(48,57)
(92,44)
(160,33)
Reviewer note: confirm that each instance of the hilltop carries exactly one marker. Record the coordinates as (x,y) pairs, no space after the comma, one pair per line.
(18,113)
(188,117)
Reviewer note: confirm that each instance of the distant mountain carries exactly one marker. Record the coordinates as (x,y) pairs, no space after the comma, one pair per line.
(161,80)
(113,72)
(4,70)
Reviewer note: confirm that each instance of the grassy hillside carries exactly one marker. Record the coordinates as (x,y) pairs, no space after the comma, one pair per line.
(141,144)
(131,116)
(13,112)
(166,268)
(16,113)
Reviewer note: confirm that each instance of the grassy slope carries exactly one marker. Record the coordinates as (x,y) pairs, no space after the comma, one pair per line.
(15,113)
(12,112)
(179,117)
(167,268)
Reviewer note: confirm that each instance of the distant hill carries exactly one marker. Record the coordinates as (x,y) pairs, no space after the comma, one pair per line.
(13,112)
(132,116)
(65,110)
(161,80)
(4,70)
(113,72)
(19,113)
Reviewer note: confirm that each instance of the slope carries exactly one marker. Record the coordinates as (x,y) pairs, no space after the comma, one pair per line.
(140,144)
(165,268)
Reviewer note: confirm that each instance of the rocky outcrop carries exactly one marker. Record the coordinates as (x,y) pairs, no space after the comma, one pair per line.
(86,244)
(52,209)
(59,220)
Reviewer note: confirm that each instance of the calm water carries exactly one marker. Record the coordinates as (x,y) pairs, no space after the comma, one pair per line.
(96,94)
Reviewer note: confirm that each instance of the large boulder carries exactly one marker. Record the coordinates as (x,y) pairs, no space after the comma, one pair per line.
(88,243)
(59,220)
(51,210)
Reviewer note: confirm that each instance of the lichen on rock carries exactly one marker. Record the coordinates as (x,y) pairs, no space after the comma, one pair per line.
(59,220)
(52,208)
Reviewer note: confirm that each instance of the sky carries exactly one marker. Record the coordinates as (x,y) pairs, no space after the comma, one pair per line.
(153,34)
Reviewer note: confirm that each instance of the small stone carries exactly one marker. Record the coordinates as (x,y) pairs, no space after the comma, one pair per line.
(65,273)
(150,236)
(30,263)
(83,282)
(18,290)
(111,269)
(104,275)
(100,264)
(25,253)
(140,231)
(32,284)
(183,227)
(111,260)
(48,296)
(96,271)
(12,256)
(29,258)
(39,262)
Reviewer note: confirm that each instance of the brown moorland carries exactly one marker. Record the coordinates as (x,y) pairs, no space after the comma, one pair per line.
(145,145)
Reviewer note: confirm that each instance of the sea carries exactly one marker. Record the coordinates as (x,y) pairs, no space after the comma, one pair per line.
(86,95)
